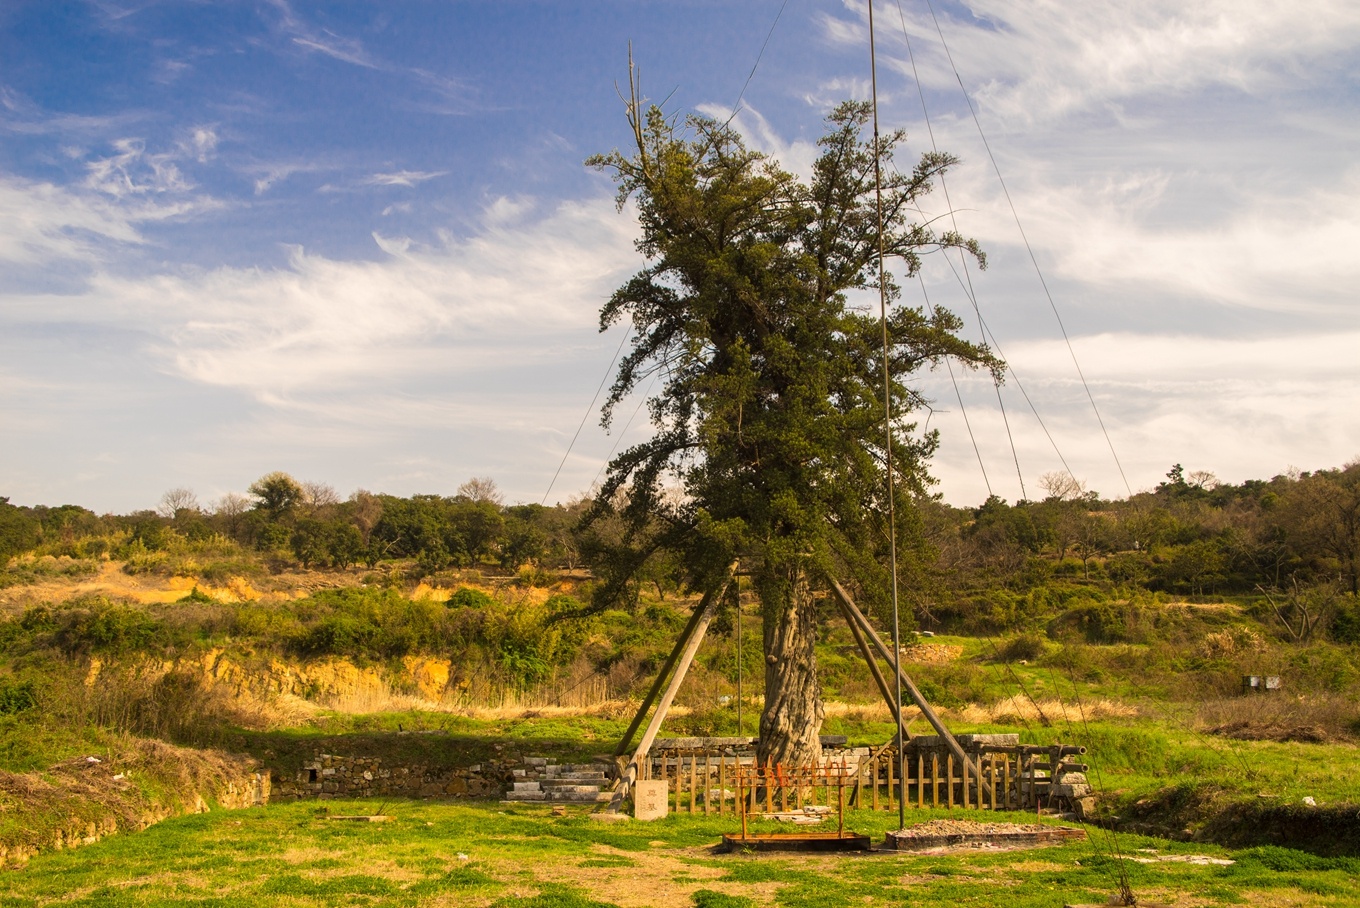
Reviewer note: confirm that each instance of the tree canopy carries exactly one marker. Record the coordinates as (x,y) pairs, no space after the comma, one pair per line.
(769,442)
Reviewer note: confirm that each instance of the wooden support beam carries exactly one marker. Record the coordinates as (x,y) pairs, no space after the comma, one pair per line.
(894,709)
(660,681)
(708,607)
(886,654)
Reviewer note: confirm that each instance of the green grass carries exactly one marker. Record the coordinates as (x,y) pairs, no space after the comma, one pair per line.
(522,857)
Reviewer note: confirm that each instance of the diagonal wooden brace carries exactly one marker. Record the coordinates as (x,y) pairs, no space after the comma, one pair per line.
(858,618)
(708,607)
(893,708)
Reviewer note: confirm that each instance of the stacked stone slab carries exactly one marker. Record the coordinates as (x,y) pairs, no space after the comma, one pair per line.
(541,779)
(340,776)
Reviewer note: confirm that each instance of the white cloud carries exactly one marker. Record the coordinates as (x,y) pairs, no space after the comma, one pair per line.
(134,172)
(1240,408)
(45,224)
(1033,60)
(201,143)
(319,325)
(1258,245)
(404,177)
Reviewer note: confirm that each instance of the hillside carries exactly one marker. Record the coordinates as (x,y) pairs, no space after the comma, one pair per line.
(222,632)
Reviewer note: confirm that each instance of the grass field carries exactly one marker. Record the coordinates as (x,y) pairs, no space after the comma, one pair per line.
(488,854)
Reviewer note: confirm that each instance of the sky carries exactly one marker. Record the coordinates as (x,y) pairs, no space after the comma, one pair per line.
(357,242)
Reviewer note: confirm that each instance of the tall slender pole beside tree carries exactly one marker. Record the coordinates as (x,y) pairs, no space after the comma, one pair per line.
(768,443)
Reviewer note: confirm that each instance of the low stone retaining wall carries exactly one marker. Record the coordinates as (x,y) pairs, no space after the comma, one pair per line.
(337,776)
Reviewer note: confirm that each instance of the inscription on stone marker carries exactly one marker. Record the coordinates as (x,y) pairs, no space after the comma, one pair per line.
(651,799)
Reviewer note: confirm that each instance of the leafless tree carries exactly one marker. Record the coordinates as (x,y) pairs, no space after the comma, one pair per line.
(176,500)
(481,488)
(1301,609)
(1202,479)
(1062,486)
(317,495)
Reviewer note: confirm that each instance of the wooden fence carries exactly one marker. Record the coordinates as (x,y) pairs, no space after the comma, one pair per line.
(1001,777)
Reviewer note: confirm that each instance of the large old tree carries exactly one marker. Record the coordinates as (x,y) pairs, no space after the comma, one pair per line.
(769,442)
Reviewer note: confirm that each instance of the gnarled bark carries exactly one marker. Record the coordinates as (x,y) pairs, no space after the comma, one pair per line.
(791,724)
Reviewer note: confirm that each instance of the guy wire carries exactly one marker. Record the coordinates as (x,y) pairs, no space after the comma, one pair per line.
(887,425)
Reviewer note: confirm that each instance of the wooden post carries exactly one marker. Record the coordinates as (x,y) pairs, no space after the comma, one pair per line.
(693,781)
(934,780)
(949,777)
(873,776)
(666,667)
(722,783)
(741,798)
(708,781)
(920,779)
(966,799)
(892,764)
(894,708)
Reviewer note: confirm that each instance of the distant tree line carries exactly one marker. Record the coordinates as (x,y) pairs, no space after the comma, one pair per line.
(310,523)
(1291,540)
(1287,538)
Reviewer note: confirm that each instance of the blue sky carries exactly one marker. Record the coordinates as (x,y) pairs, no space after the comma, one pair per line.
(357,242)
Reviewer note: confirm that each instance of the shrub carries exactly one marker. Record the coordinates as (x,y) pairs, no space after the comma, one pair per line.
(97,625)
(16,696)
(466,597)
(1024,648)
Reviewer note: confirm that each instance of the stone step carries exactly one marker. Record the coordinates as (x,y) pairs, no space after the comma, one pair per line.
(526,796)
(579,778)
(567,788)
(576,797)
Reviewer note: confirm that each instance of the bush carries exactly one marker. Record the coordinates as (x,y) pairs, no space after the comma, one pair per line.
(1024,648)
(1346,622)
(16,696)
(97,625)
(466,597)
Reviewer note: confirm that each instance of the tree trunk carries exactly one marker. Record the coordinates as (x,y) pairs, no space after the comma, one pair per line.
(791,724)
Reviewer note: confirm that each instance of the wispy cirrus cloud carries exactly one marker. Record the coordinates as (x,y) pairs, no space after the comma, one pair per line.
(46,224)
(323,324)
(1036,60)
(408,178)
(323,41)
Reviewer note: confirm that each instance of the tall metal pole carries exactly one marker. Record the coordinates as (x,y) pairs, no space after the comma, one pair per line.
(741,642)
(887,427)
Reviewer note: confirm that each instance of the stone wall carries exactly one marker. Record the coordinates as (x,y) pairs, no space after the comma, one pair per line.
(337,776)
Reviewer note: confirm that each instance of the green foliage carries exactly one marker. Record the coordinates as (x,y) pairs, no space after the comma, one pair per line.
(28,569)
(1345,626)
(97,625)
(1024,648)
(466,597)
(17,696)
(768,415)
(197,595)
(277,495)
(707,898)
(18,531)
